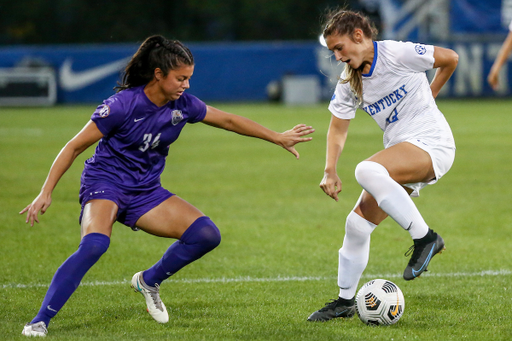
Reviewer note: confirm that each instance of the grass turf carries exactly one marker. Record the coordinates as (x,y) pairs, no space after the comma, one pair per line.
(278,259)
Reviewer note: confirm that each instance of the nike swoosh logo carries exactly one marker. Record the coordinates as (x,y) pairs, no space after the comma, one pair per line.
(414,272)
(70,80)
(138,119)
(341,313)
(395,312)
(49,308)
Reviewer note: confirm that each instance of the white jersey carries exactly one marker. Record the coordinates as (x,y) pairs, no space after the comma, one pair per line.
(397,95)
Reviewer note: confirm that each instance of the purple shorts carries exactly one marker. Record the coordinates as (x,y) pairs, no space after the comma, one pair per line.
(131,204)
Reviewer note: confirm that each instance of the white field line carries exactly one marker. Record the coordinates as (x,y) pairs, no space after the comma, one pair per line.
(249,279)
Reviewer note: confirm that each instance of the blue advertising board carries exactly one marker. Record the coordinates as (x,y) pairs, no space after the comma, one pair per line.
(223,72)
(236,71)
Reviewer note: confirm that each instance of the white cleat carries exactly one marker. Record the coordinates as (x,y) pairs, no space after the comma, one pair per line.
(35,329)
(156,307)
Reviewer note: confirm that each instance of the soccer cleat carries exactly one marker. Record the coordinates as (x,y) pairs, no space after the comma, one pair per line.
(35,329)
(156,307)
(336,308)
(422,252)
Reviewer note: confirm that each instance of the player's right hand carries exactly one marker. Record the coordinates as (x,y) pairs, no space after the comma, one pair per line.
(492,79)
(331,185)
(40,204)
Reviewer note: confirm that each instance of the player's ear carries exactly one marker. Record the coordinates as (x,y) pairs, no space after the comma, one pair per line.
(358,35)
(158,74)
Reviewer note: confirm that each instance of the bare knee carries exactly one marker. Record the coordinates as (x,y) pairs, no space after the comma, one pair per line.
(369,209)
(98,217)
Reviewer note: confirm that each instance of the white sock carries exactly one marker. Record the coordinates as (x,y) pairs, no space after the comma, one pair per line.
(354,254)
(391,197)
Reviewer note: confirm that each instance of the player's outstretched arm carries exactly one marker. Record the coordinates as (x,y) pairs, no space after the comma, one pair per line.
(336,137)
(446,61)
(85,138)
(505,51)
(244,126)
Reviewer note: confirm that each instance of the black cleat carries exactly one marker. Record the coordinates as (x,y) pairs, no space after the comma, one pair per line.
(422,252)
(336,308)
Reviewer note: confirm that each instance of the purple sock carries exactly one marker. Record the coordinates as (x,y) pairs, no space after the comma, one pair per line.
(70,273)
(200,238)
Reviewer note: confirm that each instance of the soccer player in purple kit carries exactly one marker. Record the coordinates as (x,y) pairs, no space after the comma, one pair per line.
(121,181)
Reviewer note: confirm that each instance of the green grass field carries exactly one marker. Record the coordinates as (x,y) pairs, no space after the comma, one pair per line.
(277,262)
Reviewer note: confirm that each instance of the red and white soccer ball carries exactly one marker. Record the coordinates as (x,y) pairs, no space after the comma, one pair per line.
(380,302)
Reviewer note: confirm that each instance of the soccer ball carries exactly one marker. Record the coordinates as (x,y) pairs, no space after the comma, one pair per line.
(380,302)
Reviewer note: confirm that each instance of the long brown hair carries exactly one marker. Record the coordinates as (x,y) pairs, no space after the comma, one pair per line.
(342,22)
(154,52)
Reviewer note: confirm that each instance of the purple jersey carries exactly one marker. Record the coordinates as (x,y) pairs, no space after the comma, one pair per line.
(137,135)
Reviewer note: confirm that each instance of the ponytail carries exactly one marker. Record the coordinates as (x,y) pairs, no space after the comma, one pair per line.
(341,23)
(155,52)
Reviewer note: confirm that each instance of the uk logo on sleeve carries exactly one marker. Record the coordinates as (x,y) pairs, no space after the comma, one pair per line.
(420,49)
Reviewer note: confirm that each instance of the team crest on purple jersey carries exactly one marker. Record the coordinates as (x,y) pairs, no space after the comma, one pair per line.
(105,111)
(177,116)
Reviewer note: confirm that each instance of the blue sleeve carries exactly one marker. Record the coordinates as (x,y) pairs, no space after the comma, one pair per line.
(109,116)
(196,109)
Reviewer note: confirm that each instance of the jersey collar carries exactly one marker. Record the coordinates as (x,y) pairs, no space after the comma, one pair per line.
(375,55)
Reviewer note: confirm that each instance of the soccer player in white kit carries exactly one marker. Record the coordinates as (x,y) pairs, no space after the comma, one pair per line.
(387,80)
(501,59)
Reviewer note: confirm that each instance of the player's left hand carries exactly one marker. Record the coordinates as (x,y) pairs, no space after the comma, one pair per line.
(290,138)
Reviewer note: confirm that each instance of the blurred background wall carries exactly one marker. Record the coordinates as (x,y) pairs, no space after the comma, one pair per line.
(72,51)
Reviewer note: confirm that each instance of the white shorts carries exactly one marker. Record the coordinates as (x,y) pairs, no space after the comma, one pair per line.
(442,160)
